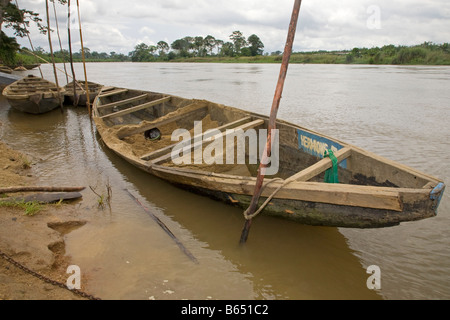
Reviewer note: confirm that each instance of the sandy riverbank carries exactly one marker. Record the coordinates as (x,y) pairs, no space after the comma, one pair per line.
(36,242)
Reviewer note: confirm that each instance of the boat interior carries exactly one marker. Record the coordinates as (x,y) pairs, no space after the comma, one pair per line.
(31,84)
(134,116)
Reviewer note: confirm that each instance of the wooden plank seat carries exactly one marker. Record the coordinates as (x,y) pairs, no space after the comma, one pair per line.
(122,102)
(320,166)
(40,85)
(157,153)
(112,93)
(168,118)
(34,89)
(107,88)
(136,108)
(198,144)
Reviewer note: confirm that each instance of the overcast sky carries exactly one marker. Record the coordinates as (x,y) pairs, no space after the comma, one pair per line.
(113,25)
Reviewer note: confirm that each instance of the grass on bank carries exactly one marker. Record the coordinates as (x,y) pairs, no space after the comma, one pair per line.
(30,208)
(424,54)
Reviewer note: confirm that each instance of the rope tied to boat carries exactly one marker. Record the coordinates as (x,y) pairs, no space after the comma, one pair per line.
(261,208)
(269,198)
(331,175)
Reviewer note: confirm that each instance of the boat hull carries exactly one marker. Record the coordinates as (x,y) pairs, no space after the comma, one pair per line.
(35,107)
(373,193)
(34,95)
(306,212)
(94,89)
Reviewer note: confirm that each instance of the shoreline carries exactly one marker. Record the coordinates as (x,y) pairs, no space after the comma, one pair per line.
(36,242)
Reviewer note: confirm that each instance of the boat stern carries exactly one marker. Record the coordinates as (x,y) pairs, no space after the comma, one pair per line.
(436,195)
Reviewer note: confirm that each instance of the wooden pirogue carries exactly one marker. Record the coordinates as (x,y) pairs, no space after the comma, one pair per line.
(80,90)
(371,191)
(34,95)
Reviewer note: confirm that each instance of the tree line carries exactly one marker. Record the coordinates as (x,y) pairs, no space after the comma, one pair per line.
(199,46)
(187,47)
(427,53)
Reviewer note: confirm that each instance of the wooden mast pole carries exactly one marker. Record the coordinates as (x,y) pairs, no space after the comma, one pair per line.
(75,97)
(53,57)
(88,101)
(59,39)
(272,120)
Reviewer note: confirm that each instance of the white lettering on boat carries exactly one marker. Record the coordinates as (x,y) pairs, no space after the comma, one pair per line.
(317,145)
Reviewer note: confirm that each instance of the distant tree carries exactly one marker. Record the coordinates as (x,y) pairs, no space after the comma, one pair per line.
(238,40)
(199,46)
(141,53)
(356,52)
(171,55)
(373,51)
(162,47)
(256,45)
(210,43)
(117,56)
(182,46)
(62,54)
(246,52)
(190,41)
(152,50)
(87,52)
(227,49)
(218,45)
(39,49)
(389,50)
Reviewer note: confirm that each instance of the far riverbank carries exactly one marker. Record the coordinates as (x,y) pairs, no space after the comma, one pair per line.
(423,54)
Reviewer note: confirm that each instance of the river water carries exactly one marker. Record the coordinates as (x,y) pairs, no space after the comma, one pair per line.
(399,112)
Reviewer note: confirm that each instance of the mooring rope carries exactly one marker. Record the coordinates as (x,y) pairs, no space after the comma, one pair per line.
(261,208)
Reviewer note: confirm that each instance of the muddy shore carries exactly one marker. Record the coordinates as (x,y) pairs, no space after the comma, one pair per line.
(34,241)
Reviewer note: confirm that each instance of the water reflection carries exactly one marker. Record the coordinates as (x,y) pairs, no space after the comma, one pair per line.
(397,112)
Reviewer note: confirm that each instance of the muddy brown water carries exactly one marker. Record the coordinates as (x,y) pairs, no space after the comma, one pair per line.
(398,112)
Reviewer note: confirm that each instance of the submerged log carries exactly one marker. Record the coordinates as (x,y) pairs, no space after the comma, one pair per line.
(47,197)
(38,188)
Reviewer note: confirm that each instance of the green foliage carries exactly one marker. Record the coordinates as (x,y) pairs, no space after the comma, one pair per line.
(238,40)
(30,208)
(256,46)
(19,19)
(8,49)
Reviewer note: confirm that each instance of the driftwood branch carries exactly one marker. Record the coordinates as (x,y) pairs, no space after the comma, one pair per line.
(164,227)
(37,188)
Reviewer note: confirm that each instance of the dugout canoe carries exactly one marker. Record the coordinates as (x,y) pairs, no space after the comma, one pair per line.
(80,90)
(371,191)
(6,79)
(34,95)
